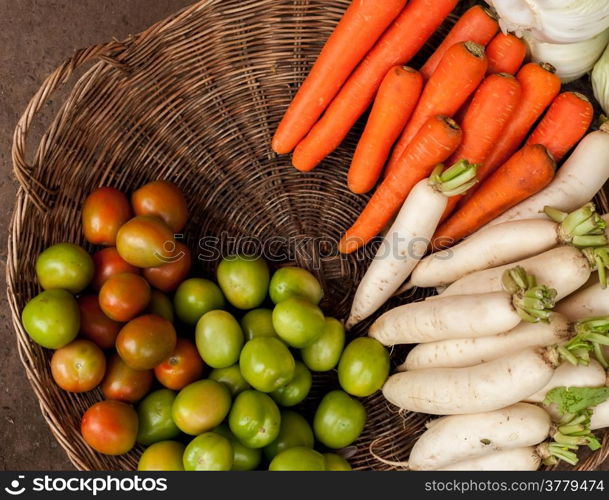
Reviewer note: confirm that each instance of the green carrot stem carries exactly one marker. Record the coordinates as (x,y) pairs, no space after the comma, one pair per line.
(462,189)
(456,179)
(578,217)
(572,429)
(589,240)
(599,260)
(597,338)
(570,440)
(597,324)
(579,419)
(565,455)
(532,303)
(567,355)
(599,353)
(566,418)
(555,214)
(582,228)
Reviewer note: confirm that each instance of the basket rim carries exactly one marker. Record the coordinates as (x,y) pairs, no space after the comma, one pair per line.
(32,193)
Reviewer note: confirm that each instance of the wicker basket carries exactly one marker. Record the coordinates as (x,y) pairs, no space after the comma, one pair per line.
(195,99)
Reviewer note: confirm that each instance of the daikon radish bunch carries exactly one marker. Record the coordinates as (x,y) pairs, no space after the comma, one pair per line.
(518,437)
(466,316)
(582,336)
(565,269)
(509,242)
(408,238)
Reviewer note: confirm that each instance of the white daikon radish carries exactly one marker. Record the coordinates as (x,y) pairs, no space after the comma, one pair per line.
(407,240)
(460,353)
(568,375)
(509,242)
(465,316)
(592,300)
(564,269)
(518,459)
(577,181)
(462,437)
(485,387)
(600,417)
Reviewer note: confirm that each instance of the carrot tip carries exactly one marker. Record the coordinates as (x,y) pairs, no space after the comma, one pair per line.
(349,245)
(279,148)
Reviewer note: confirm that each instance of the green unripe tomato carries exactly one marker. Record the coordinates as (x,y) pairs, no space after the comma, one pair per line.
(324,353)
(298,459)
(244,458)
(219,339)
(231,377)
(339,420)
(162,456)
(363,367)
(294,431)
(266,364)
(196,296)
(66,266)
(258,323)
(296,389)
(201,406)
(290,282)
(244,279)
(156,422)
(208,451)
(254,419)
(52,318)
(335,462)
(298,322)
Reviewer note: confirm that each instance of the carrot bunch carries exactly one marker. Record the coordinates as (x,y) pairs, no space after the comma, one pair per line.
(476,76)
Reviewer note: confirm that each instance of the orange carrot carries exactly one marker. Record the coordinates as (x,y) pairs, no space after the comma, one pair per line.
(539,87)
(565,123)
(527,172)
(356,33)
(394,103)
(491,108)
(505,54)
(435,142)
(478,25)
(457,76)
(402,40)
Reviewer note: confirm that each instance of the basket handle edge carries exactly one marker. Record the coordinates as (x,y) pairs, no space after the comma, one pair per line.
(23,171)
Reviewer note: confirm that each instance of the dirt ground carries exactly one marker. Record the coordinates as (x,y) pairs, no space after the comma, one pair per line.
(35,37)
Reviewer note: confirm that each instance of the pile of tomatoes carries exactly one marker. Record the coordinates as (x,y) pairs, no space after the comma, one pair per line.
(222,394)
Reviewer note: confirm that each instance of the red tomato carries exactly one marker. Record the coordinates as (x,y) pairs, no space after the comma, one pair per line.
(108,263)
(105,210)
(124,296)
(125,384)
(164,200)
(168,276)
(182,367)
(78,367)
(94,324)
(146,341)
(110,427)
(146,241)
